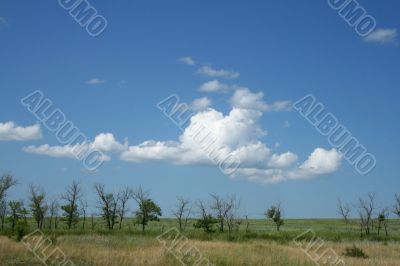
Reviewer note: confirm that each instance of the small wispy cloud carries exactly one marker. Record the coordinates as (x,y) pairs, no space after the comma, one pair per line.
(3,20)
(213,86)
(218,73)
(95,81)
(382,36)
(187,60)
(286,124)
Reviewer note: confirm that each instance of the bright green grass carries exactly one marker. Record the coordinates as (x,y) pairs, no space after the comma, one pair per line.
(327,229)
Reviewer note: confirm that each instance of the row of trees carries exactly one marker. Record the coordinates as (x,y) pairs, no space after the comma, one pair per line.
(219,213)
(113,207)
(370,217)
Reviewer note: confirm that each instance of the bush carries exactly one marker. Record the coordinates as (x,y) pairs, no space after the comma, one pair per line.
(22,230)
(354,252)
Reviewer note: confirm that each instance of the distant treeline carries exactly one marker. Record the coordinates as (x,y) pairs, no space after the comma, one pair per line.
(222,213)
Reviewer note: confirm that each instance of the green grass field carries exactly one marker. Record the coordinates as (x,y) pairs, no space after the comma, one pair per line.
(256,244)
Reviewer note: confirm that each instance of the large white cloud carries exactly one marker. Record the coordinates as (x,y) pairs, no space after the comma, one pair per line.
(237,133)
(211,135)
(10,131)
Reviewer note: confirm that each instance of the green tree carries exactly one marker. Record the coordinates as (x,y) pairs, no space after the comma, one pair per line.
(6,182)
(37,205)
(206,221)
(383,219)
(71,208)
(147,210)
(17,211)
(275,214)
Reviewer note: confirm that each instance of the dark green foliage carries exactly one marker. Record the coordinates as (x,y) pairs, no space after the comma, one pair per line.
(206,223)
(6,182)
(71,215)
(71,209)
(148,211)
(274,213)
(17,212)
(38,206)
(354,252)
(22,229)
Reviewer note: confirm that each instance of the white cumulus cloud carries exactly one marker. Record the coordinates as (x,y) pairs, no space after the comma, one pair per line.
(10,131)
(238,134)
(210,136)
(104,142)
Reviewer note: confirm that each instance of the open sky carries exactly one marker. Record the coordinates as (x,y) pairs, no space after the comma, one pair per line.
(239,66)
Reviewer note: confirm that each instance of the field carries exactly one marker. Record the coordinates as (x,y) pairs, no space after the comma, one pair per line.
(255,244)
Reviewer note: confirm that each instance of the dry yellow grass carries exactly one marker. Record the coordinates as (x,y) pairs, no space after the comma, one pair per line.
(112,250)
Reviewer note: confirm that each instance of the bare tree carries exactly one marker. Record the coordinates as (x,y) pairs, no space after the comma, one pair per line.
(247,224)
(344,210)
(182,212)
(71,208)
(396,209)
(219,207)
(147,210)
(53,211)
(38,205)
(123,197)
(108,205)
(92,221)
(206,221)
(6,182)
(232,205)
(366,208)
(83,206)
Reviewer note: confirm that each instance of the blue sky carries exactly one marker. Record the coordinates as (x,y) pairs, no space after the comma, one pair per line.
(281,50)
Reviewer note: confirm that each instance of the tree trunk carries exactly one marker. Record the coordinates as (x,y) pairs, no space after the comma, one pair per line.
(92,220)
(84,221)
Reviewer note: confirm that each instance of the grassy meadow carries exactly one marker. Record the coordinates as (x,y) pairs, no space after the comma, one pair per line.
(255,243)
